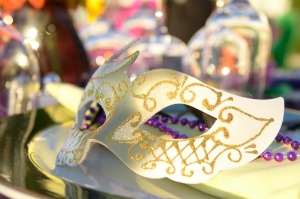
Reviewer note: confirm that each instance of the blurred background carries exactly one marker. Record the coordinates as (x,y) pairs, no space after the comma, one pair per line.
(247,47)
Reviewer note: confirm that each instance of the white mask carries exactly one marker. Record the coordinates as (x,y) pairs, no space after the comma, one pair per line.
(243,129)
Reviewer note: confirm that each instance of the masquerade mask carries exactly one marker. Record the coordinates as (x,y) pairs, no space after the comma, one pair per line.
(243,129)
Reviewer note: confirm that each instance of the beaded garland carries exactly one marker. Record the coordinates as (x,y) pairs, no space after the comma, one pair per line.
(95,116)
(279,157)
(161,124)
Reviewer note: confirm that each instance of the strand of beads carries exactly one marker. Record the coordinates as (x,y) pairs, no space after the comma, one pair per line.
(160,122)
(94,115)
(279,157)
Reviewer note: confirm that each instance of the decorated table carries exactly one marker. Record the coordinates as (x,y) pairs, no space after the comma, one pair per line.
(160,119)
(140,143)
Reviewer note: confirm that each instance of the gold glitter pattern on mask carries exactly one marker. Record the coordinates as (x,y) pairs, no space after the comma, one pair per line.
(90,88)
(205,102)
(186,93)
(117,93)
(130,123)
(149,154)
(200,152)
(73,149)
(150,102)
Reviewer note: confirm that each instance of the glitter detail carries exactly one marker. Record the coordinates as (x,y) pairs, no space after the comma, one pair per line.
(147,154)
(186,93)
(199,152)
(114,94)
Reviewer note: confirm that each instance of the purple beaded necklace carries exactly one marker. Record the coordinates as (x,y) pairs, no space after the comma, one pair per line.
(95,116)
(161,124)
(279,157)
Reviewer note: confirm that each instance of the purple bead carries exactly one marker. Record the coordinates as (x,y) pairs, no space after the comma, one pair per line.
(162,127)
(174,120)
(192,124)
(87,117)
(292,156)
(156,123)
(149,122)
(279,137)
(85,126)
(183,136)
(287,139)
(183,121)
(267,155)
(155,117)
(164,119)
(101,120)
(295,145)
(99,106)
(201,127)
(168,131)
(175,134)
(93,110)
(278,157)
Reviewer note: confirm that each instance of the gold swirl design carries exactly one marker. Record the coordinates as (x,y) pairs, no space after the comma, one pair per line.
(129,59)
(149,150)
(205,102)
(159,150)
(229,118)
(136,135)
(74,148)
(150,103)
(117,93)
(122,86)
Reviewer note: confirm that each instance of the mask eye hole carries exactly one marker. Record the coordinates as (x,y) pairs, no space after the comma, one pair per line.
(179,122)
(93,116)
